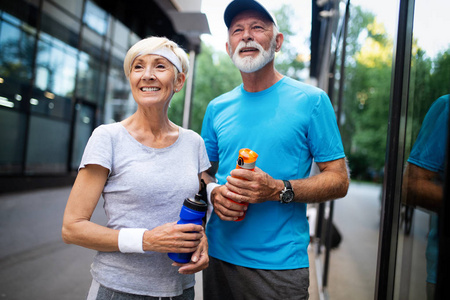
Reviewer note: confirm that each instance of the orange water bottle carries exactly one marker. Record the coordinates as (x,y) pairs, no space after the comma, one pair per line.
(246,160)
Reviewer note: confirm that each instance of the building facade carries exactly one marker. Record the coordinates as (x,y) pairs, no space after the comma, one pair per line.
(61,75)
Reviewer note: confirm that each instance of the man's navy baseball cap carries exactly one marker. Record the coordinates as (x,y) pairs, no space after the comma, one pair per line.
(238,6)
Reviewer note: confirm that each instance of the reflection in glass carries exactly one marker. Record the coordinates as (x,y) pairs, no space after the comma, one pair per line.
(364,127)
(84,126)
(55,66)
(96,18)
(424,176)
(12,125)
(426,140)
(91,75)
(45,140)
(16,60)
(55,78)
(119,102)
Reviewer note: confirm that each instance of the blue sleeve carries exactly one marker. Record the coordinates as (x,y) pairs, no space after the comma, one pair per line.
(428,151)
(209,134)
(323,133)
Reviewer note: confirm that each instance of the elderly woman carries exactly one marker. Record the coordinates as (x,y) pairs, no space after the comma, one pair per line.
(144,166)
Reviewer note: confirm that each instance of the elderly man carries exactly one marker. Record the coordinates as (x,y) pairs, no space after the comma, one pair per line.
(288,124)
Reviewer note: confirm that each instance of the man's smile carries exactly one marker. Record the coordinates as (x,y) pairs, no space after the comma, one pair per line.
(248,50)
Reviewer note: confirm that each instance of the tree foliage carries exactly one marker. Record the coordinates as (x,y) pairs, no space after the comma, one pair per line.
(288,61)
(368,87)
(367,93)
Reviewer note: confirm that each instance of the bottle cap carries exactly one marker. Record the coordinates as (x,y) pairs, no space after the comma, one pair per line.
(196,204)
(247,158)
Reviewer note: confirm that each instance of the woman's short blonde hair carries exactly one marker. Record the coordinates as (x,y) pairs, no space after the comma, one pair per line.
(150,45)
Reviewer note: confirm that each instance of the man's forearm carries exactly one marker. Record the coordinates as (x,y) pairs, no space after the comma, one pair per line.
(320,188)
(331,183)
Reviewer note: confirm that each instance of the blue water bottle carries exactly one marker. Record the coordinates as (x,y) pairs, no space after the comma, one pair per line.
(192,212)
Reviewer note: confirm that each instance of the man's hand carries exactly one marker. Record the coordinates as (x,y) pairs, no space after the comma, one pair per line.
(252,186)
(226,210)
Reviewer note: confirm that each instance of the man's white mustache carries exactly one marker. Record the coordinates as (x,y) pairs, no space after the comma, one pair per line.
(250,44)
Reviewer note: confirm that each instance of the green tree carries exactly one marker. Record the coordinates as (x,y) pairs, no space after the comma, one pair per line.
(367,92)
(288,61)
(366,95)
(419,93)
(440,75)
(216,75)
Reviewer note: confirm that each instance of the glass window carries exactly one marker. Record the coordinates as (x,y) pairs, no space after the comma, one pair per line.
(55,78)
(121,35)
(48,141)
(119,101)
(57,23)
(92,66)
(12,131)
(96,18)
(368,67)
(55,66)
(83,130)
(74,7)
(426,135)
(16,61)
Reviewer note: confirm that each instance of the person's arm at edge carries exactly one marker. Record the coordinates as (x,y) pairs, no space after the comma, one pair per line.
(331,183)
(79,230)
(77,227)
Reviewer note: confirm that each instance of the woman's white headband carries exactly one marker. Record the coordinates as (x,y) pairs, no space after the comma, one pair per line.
(166,53)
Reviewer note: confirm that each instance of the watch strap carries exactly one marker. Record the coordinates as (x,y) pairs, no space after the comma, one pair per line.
(287,184)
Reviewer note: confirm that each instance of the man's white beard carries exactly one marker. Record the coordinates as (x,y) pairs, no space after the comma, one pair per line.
(249,64)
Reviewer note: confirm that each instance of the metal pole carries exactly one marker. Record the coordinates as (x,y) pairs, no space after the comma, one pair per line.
(189,88)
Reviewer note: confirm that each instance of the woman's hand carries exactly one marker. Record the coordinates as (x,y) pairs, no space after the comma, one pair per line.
(173,238)
(199,260)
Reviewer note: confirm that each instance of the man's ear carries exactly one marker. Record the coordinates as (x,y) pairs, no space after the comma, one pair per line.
(227,46)
(279,41)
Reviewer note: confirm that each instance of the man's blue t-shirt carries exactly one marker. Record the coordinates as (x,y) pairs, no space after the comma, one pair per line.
(428,152)
(287,125)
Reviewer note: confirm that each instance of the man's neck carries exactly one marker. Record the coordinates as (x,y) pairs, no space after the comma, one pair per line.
(261,79)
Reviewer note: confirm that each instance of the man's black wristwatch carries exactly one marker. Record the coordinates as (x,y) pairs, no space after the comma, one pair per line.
(287,194)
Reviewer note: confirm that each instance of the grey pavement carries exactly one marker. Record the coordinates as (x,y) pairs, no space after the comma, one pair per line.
(352,272)
(36,264)
(353,264)
(34,261)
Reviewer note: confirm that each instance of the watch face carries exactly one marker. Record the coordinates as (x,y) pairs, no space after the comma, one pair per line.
(287,197)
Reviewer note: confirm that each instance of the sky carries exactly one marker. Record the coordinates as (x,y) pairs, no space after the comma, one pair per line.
(430,26)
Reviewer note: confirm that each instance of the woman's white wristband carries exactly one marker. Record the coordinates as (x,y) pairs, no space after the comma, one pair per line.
(130,240)
(209,188)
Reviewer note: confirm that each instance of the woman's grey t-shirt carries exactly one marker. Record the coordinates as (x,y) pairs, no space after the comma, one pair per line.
(145,188)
